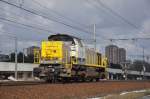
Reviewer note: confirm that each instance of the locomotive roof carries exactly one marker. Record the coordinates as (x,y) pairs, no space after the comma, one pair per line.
(63,36)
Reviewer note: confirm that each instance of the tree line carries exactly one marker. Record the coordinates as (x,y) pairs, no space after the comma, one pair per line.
(27,59)
(136,65)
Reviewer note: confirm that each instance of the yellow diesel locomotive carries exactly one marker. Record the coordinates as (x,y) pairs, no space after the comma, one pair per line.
(64,58)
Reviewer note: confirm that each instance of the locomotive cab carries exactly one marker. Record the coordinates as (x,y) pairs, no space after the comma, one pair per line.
(77,50)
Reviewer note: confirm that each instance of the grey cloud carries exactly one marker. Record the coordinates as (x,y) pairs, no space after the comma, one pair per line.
(82,11)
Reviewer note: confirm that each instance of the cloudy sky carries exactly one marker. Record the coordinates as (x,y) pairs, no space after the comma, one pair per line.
(113,19)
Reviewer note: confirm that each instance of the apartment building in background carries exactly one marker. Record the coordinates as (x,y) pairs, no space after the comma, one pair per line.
(115,54)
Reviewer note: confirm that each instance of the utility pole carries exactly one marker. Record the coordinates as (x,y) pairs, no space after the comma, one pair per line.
(95,37)
(148,58)
(16,59)
(94,31)
(23,55)
(125,70)
(21,2)
(143,64)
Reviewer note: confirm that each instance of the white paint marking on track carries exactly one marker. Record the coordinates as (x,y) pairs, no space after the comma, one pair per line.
(137,91)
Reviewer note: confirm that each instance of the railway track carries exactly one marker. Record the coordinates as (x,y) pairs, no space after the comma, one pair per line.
(24,83)
(21,83)
(75,90)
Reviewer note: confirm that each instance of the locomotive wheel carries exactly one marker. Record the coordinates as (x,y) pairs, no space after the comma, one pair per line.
(65,80)
(91,79)
(97,79)
(83,79)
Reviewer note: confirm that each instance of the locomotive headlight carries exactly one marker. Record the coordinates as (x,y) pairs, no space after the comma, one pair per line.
(73,48)
(49,66)
(64,70)
(42,61)
(55,58)
(52,70)
(56,61)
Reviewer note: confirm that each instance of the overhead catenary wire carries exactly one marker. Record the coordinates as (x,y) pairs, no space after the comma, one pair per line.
(47,33)
(17,15)
(133,39)
(62,16)
(58,14)
(38,15)
(106,7)
(22,24)
(12,35)
(35,13)
(116,14)
(18,26)
(30,26)
(97,8)
(111,11)
(20,15)
(23,9)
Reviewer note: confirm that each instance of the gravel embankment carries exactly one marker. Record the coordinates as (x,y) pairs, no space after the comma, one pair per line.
(68,91)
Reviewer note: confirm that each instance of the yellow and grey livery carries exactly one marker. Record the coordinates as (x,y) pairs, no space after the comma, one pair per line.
(64,57)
